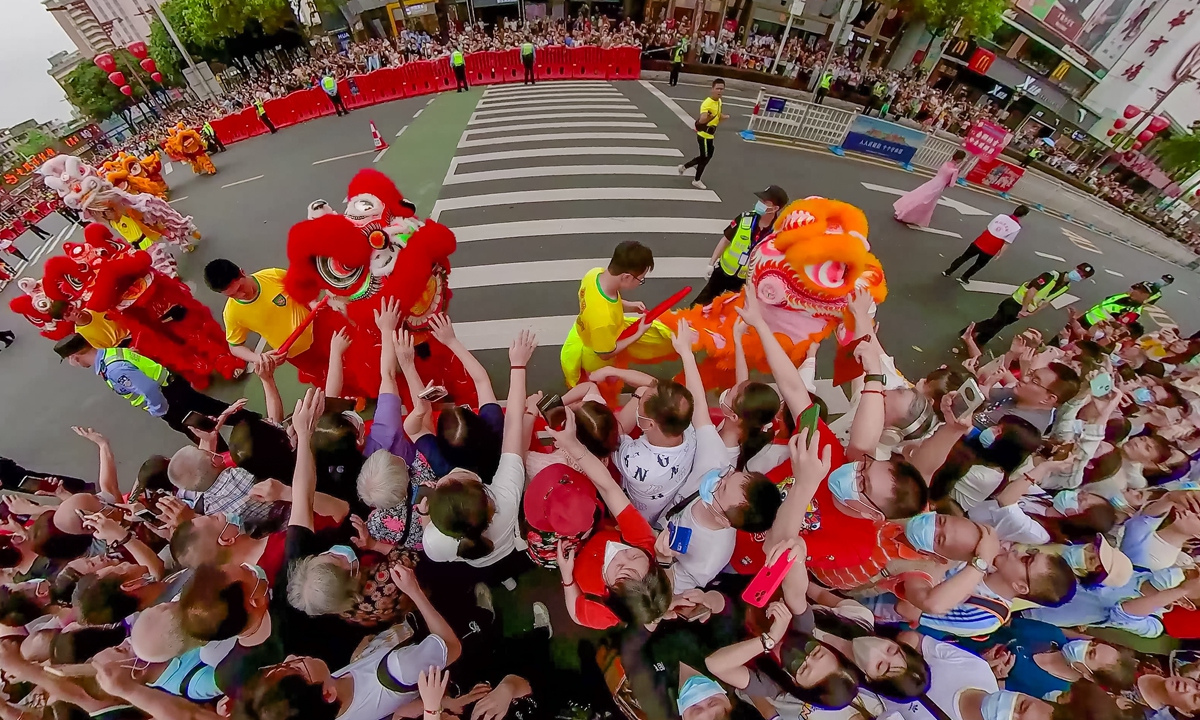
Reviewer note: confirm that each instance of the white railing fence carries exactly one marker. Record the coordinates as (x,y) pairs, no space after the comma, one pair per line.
(778,116)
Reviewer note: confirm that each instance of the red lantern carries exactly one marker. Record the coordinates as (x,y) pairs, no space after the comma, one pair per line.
(1132,111)
(138,49)
(148,65)
(1158,124)
(117,78)
(105,62)
(156,77)
(1119,123)
(1145,136)
(1137,146)
(126,90)
(1111,132)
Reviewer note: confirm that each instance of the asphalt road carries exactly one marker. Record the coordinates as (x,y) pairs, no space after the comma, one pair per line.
(539,185)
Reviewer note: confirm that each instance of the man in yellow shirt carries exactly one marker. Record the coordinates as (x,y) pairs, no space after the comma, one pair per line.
(593,340)
(259,304)
(711,115)
(95,327)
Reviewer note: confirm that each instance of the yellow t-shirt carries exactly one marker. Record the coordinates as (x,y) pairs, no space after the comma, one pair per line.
(134,232)
(273,315)
(713,108)
(601,318)
(101,332)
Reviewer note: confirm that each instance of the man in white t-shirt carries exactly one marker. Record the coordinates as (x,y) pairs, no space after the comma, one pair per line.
(952,670)
(655,465)
(505,492)
(1000,233)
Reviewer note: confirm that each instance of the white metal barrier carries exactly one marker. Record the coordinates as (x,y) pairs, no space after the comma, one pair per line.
(800,120)
(935,152)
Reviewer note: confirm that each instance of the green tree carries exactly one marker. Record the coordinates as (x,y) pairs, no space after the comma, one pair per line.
(978,18)
(88,89)
(35,142)
(165,54)
(1180,155)
(211,22)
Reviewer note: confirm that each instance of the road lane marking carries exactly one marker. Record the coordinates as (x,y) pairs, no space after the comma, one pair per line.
(525,197)
(551,331)
(671,104)
(591,226)
(725,100)
(556,85)
(542,271)
(1048,256)
(1160,316)
(417,114)
(566,152)
(172,202)
(593,107)
(401,131)
(598,122)
(616,99)
(934,231)
(961,207)
(553,93)
(559,171)
(1081,242)
(341,157)
(381,154)
(1113,272)
(430,102)
(995,288)
(240,182)
(551,137)
(551,116)
(1182,292)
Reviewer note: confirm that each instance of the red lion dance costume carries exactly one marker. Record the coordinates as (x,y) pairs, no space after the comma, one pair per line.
(186,145)
(35,306)
(378,249)
(803,275)
(168,324)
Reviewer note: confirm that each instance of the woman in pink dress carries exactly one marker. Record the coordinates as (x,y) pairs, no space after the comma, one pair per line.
(916,206)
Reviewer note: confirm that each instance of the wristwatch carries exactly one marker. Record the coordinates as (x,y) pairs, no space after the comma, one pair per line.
(979,564)
(768,642)
(881,379)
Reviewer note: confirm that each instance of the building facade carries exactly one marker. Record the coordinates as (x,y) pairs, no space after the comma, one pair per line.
(96,26)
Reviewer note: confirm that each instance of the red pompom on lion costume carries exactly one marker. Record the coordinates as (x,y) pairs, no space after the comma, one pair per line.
(34,305)
(378,250)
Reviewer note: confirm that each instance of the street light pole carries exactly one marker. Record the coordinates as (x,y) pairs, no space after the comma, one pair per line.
(162,17)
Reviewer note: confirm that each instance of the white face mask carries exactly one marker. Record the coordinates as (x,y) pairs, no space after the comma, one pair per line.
(611,548)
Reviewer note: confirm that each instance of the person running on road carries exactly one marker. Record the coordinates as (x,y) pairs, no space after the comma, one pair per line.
(1000,233)
(732,255)
(1028,299)
(706,127)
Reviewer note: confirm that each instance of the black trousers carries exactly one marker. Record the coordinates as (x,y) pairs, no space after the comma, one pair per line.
(267,121)
(69,215)
(33,228)
(718,284)
(215,142)
(701,161)
(14,250)
(1006,314)
(182,399)
(820,96)
(675,68)
(338,105)
(528,62)
(460,77)
(972,251)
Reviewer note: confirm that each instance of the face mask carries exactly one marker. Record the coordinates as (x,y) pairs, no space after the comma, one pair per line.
(695,690)
(760,208)
(258,572)
(1075,652)
(708,486)
(611,549)
(1116,360)
(1076,557)
(343,551)
(843,482)
(1142,395)
(999,705)
(233,519)
(1074,276)
(920,531)
(1066,502)
(988,436)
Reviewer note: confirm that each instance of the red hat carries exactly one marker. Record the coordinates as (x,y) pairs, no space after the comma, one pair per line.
(561,500)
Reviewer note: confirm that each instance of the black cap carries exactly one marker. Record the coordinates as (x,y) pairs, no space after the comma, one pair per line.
(1086,270)
(70,345)
(774,195)
(1168,279)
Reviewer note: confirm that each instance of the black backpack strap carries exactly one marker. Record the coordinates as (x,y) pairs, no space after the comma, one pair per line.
(937,712)
(679,506)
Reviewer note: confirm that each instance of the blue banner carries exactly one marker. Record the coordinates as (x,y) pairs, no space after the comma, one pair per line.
(884,139)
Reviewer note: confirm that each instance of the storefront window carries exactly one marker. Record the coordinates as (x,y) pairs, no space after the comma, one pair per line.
(1038,57)
(1002,38)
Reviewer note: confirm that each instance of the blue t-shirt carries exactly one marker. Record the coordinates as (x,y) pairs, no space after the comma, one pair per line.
(1025,638)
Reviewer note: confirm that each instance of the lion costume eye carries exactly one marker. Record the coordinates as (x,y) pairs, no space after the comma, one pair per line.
(378,239)
(338,276)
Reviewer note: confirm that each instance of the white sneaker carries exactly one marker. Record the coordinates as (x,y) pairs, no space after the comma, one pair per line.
(699,185)
(541,617)
(680,169)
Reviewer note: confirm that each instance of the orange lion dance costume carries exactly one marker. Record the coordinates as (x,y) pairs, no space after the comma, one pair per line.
(186,145)
(803,275)
(377,250)
(132,175)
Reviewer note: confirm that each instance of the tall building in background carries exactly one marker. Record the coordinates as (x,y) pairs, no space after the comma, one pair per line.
(96,26)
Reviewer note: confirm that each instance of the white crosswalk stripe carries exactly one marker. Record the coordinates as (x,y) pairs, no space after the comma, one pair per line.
(518,129)
(558,101)
(549,137)
(1081,242)
(551,116)
(1160,316)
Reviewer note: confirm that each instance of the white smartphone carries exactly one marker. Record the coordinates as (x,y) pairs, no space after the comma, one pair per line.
(969,398)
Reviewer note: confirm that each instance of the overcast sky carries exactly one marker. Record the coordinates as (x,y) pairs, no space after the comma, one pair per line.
(29,35)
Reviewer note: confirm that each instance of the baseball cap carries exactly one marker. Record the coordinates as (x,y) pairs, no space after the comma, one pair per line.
(1086,270)
(70,345)
(561,500)
(774,195)
(1118,568)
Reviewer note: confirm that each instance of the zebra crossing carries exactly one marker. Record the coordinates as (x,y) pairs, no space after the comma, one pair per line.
(545,181)
(1081,242)
(1160,316)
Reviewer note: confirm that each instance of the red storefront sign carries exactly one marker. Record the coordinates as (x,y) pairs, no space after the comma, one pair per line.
(986,139)
(996,174)
(13,176)
(981,60)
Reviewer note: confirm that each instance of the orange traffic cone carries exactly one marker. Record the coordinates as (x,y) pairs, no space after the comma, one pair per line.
(380,144)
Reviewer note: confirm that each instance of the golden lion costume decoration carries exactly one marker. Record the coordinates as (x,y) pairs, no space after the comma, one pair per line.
(134,175)
(186,145)
(803,275)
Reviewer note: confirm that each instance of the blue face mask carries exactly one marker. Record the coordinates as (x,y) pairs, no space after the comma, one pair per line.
(1142,396)
(987,437)
(258,572)
(233,519)
(843,482)
(1066,502)
(921,530)
(1075,556)
(1116,360)
(709,484)
(344,551)
(1076,651)
(695,690)
(760,208)
(1074,276)
(1119,502)
(999,705)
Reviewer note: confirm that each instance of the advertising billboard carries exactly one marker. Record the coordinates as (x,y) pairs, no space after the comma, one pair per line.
(1102,29)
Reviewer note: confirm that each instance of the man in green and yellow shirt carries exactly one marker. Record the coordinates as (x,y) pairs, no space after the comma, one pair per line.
(711,115)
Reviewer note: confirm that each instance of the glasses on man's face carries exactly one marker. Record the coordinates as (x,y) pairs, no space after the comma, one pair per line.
(641,280)
(287,667)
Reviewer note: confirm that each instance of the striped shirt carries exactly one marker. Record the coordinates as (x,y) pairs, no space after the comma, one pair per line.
(230,494)
(969,618)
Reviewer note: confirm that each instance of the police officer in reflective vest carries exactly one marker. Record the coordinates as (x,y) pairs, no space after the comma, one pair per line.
(262,115)
(459,63)
(527,61)
(144,383)
(1124,307)
(210,136)
(1031,297)
(823,86)
(329,85)
(732,255)
(677,55)
(878,90)
(1156,288)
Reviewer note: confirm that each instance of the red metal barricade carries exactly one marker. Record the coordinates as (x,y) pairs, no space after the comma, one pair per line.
(389,84)
(355,91)
(553,63)
(509,67)
(418,78)
(624,63)
(281,111)
(443,74)
(481,68)
(589,63)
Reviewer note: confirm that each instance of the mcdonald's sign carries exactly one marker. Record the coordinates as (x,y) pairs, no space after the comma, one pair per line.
(981,61)
(1061,71)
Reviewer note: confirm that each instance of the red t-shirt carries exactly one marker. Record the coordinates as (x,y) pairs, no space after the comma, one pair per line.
(1182,623)
(834,539)
(632,529)
(1002,229)
(272,556)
